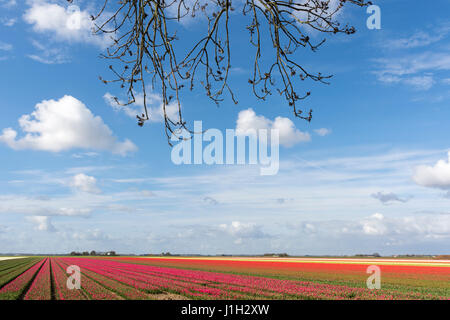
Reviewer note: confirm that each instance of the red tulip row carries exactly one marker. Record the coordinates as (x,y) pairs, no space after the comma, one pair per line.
(204,284)
(41,286)
(137,277)
(15,288)
(428,278)
(114,285)
(60,282)
(92,288)
(110,279)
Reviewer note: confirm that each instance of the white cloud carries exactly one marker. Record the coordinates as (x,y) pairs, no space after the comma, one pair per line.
(437,176)
(248,121)
(241,231)
(417,82)
(48,55)
(415,70)
(5,46)
(412,229)
(73,212)
(85,183)
(58,125)
(8,3)
(90,235)
(323,132)
(63,24)
(44,206)
(421,83)
(436,226)
(85,154)
(332,8)
(8,22)
(154,106)
(42,223)
(418,39)
(374,225)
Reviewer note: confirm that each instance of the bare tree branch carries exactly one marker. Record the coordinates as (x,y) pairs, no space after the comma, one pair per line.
(144,47)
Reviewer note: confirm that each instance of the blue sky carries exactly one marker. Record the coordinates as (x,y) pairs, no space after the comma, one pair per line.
(370,173)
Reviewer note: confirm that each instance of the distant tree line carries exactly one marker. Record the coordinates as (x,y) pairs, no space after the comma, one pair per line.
(376,254)
(93,253)
(276,255)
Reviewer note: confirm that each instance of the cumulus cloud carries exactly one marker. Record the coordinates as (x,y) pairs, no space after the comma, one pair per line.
(323,132)
(243,230)
(433,227)
(437,176)
(386,198)
(154,106)
(59,125)
(62,23)
(374,225)
(85,183)
(407,228)
(424,226)
(248,121)
(42,223)
(404,229)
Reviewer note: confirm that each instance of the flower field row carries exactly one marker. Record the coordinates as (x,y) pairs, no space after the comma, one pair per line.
(116,279)
(60,284)
(15,288)
(201,284)
(11,269)
(41,287)
(427,279)
(92,288)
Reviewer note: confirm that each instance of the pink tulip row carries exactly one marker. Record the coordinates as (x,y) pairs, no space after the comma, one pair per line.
(60,281)
(214,288)
(136,277)
(16,287)
(41,286)
(116,286)
(93,289)
(218,285)
(190,283)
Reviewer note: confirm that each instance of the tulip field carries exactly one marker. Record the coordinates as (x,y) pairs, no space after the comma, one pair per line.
(176,278)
